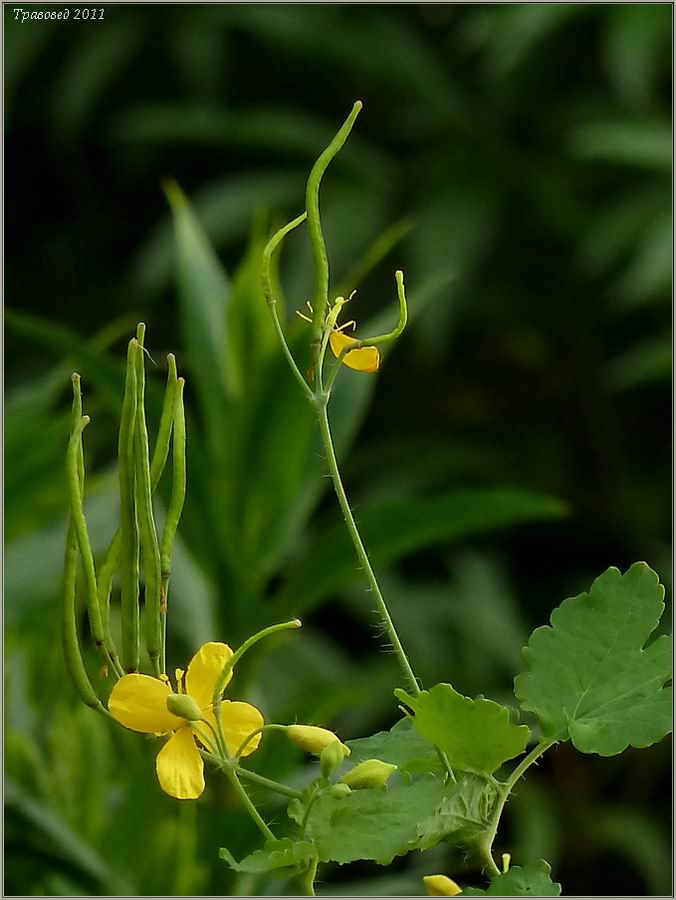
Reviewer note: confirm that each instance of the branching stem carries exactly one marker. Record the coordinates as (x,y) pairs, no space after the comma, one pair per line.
(486,845)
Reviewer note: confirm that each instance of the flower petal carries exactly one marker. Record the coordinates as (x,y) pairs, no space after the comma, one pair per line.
(365,359)
(180,769)
(203,671)
(139,702)
(239,720)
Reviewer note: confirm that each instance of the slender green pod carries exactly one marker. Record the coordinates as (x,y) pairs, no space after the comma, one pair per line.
(146,519)
(321,295)
(381,339)
(129,563)
(175,509)
(161,448)
(160,453)
(69,637)
(71,644)
(79,523)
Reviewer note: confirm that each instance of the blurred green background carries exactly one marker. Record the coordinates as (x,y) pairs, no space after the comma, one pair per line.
(515,161)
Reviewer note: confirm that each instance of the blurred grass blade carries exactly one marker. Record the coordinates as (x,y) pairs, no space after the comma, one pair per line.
(62,840)
(204,290)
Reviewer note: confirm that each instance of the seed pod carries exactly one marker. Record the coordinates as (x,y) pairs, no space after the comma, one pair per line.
(128,523)
(146,519)
(184,706)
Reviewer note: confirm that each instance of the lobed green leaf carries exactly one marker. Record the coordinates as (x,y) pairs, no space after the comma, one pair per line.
(374,823)
(590,679)
(531,880)
(278,854)
(401,745)
(476,735)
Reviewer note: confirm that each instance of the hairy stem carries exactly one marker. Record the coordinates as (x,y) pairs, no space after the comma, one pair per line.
(246,800)
(261,780)
(362,555)
(486,845)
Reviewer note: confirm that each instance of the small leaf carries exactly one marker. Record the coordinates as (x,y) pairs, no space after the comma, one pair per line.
(589,679)
(462,815)
(402,746)
(371,823)
(531,880)
(274,855)
(476,735)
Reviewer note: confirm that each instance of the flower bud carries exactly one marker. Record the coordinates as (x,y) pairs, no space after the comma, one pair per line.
(441,886)
(372,773)
(314,739)
(340,790)
(331,757)
(184,706)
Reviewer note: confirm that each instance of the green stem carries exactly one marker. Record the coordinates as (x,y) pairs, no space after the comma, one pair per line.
(362,555)
(266,281)
(308,878)
(219,687)
(246,800)
(275,786)
(486,845)
(247,740)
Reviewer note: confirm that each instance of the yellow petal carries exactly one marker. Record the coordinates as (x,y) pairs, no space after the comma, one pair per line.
(203,671)
(441,886)
(180,769)
(239,720)
(139,702)
(365,359)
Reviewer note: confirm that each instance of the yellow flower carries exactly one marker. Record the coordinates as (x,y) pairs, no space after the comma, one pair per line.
(141,703)
(363,359)
(441,886)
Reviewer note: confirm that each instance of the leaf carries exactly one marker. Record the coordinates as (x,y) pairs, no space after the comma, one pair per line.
(644,143)
(401,745)
(461,816)
(531,880)
(589,679)
(376,824)
(203,292)
(392,529)
(476,735)
(274,855)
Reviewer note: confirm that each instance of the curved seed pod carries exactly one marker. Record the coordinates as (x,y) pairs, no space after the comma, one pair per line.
(69,637)
(79,523)
(146,519)
(128,524)
(175,503)
(161,448)
(321,296)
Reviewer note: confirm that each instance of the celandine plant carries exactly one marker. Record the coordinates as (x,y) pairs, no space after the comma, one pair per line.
(440,774)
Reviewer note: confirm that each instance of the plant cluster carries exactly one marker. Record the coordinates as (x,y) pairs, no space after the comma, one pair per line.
(442,774)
